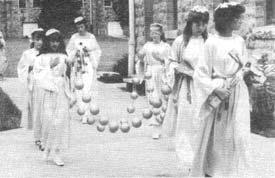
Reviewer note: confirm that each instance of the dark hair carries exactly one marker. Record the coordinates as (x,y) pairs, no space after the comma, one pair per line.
(53,37)
(37,35)
(194,17)
(225,16)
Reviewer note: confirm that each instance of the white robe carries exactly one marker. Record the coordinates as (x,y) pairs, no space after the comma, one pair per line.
(52,103)
(185,120)
(158,69)
(89,77)
(27,60)
(170,121)
(223,140)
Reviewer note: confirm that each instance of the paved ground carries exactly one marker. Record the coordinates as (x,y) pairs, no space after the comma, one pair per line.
(94,154)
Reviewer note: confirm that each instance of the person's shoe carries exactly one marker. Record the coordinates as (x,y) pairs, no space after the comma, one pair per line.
(58,161)
(156,136)
(41,147)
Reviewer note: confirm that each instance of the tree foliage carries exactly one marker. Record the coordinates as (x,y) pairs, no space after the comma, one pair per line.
(59,14)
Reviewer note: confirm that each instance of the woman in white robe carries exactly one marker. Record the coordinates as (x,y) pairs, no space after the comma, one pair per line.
(25,74)
(154,58)
(181,114)
(84,42)
(54,95)
(223,139)
(176,77)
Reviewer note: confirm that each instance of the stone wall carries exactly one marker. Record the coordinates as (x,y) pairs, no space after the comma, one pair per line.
(140,22)
(12,17)
(29,15)
(100,15)
(185,6)
(163,12)
(11,23)
(260,8)
(160,10)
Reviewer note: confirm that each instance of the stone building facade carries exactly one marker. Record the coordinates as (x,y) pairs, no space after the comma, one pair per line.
(172,14)
(15,13)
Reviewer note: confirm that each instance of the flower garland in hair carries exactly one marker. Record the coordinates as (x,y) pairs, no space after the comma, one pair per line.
(226,5)
(156,27)
(200,9)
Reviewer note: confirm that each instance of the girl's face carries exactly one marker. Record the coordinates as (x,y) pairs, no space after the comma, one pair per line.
(155,35)
(198,28)
(37,43)
(54,45)
(236,24)
(81,28)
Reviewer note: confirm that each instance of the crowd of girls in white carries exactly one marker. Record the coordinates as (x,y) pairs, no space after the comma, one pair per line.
(207,114)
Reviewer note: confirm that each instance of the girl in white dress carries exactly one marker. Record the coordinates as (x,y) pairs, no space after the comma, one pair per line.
(155,56)
(25,74)
(85,43)
(180,118)
(54,97)
(222,100)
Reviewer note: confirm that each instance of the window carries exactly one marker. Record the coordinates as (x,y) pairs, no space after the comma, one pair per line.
(36,3)
(107,3)
(22,3)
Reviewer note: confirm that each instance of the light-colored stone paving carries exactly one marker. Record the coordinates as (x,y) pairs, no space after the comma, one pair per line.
(95,154)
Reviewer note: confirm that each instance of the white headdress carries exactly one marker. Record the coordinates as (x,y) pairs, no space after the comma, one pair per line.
(33,31)
(37,30)
(52,31)
(78,19)
(226,5)
(200,9)
(156,27)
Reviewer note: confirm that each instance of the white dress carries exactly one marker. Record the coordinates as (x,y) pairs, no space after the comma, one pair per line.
(53,101)
(26,77)
(223,139)
(185,128)
(157,68)
(170,121)
(77,42)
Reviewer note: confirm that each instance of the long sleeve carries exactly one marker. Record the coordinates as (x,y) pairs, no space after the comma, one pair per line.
(203,81)
(177,48)
(175,58)
(23,68)
(43,75)
(95,53)
(170,65)
(140,62)
(71,49)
